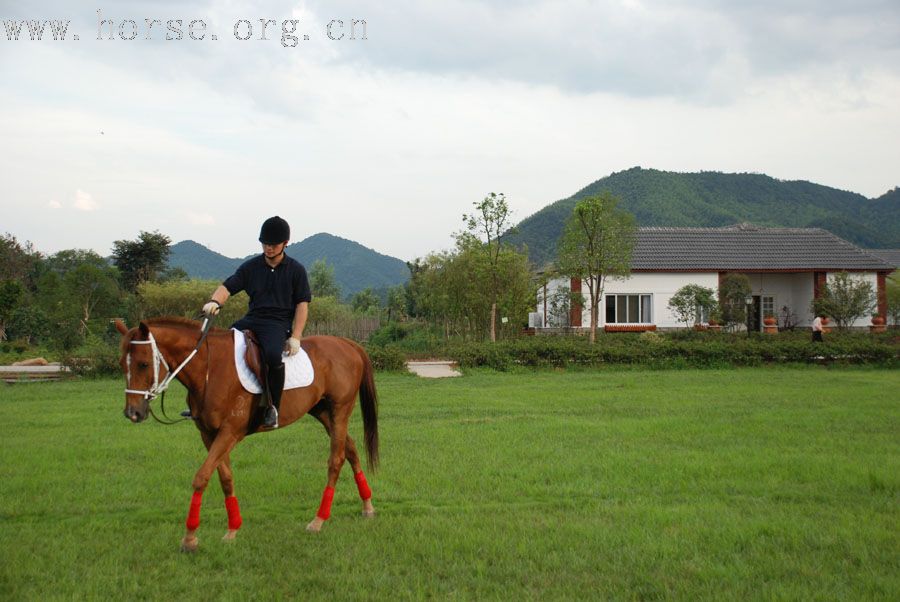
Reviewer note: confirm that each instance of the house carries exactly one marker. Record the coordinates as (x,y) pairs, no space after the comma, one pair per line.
(787,268)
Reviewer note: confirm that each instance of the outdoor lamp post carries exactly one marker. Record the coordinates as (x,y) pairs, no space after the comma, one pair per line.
(748,301)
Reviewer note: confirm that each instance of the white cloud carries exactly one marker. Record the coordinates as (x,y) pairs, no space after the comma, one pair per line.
(84,201)
(54,204)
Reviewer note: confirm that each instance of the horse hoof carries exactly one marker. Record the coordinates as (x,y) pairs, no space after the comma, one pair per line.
(230,535)
(190,544)
(315,525)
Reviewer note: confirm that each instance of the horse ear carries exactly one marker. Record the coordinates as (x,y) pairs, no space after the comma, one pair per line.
(145,330)
(120,326)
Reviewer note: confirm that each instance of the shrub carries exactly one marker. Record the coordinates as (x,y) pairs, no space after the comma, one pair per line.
(97,357)
(386,358)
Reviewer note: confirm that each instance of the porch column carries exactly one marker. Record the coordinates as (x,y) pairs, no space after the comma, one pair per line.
(575,310)
(881,294)
(819,279)
(545,306)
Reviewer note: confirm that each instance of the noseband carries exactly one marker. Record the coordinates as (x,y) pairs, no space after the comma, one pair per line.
(159,387)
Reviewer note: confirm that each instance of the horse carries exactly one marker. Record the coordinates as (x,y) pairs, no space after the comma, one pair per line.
(224,412)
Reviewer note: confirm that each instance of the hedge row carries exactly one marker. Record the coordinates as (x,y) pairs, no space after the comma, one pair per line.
(662,352)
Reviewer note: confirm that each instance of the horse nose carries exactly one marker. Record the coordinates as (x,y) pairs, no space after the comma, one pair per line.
(133,415)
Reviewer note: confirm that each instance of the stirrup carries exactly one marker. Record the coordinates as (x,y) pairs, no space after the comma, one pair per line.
(274,423)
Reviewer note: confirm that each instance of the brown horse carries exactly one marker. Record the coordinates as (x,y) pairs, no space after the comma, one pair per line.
(225,412)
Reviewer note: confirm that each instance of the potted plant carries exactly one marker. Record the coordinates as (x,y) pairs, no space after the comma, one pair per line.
(877,324)
(770,320)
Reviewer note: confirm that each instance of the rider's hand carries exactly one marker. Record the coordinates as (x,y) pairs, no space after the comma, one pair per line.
(292,346)
(211,308)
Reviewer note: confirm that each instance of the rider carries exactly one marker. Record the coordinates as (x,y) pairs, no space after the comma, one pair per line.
(279,303)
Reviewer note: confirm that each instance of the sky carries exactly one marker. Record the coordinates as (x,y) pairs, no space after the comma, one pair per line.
(387,134)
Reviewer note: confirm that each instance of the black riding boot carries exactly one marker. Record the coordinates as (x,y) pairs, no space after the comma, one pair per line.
(275,386)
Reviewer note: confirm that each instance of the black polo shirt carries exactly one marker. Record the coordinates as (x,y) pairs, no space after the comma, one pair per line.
(274,292)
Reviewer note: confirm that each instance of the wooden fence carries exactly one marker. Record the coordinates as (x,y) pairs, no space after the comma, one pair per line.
(357,329)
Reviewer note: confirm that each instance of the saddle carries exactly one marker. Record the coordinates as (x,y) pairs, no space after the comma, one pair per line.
(254,359)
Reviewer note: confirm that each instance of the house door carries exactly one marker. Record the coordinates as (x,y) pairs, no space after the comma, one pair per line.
(755,318)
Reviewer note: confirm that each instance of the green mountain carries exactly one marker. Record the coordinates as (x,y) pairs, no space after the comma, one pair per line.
(710,199)
(355,267)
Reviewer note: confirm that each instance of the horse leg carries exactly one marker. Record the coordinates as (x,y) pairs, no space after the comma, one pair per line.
(320,413)
(226,479)
(218,449)
(340,416)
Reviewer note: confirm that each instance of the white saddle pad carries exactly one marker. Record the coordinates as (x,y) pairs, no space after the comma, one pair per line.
(298,370)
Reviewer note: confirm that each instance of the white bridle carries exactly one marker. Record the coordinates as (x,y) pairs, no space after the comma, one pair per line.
(158,359)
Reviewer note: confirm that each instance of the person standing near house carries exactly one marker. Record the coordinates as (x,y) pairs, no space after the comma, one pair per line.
(279,304)
(817,329)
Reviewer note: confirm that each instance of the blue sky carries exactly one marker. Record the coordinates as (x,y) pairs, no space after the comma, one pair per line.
(389,140)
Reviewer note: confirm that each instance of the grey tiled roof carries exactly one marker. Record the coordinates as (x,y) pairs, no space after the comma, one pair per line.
(748,247)
(892,256)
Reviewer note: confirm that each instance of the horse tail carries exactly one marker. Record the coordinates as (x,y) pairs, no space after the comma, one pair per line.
(368,399)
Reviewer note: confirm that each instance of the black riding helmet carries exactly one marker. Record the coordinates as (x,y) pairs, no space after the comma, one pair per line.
(274,230)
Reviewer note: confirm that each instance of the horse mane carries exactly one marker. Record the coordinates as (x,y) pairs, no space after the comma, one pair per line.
(172,321)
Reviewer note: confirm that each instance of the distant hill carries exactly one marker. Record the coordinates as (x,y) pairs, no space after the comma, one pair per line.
(355,267)
(661,198)
(201,262)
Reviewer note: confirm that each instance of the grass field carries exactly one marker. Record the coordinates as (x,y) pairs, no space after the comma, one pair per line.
(739,484)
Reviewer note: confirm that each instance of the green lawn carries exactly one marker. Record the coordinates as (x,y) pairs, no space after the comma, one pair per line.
(695,484)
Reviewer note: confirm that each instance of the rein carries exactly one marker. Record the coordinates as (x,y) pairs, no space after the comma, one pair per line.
(159,388)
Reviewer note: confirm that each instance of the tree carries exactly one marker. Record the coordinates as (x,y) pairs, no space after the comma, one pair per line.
(845,300)
(486,225)
(396,303)
(445,289)
(88,283)
(11,293)
(18,261)
(321,280)
(365,302)
(596,244)
(691,302)
(733,291)
(141,260)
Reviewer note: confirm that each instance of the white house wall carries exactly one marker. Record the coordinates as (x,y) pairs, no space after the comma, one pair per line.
(794,290)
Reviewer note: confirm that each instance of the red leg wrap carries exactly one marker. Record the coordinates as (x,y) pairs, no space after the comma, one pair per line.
(193,519)
(364,492)
(325,507)
(234,513)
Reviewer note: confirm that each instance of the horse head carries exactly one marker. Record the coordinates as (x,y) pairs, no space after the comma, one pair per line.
(143,366)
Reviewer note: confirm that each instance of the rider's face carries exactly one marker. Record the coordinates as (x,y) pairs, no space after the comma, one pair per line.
(272,251)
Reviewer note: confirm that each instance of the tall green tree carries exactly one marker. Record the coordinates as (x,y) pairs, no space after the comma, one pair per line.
(322,281)
(596,245)
(396,303)
(141,260)
(11,293)
(845,299)
(445,290)
(487,224)
(366,302)
(18,261)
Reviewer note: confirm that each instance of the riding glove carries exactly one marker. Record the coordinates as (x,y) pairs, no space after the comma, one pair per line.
(292,346)
(211,308)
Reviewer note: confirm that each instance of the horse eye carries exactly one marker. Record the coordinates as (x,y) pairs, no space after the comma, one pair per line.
(143,365)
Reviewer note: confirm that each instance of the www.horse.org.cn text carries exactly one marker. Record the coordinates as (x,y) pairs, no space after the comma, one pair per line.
(286,31)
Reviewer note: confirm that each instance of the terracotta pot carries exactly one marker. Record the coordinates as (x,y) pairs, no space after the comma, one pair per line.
(769,321)
(877,321)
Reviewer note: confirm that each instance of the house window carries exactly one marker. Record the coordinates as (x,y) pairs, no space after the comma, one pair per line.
(629,309)
(768,306)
